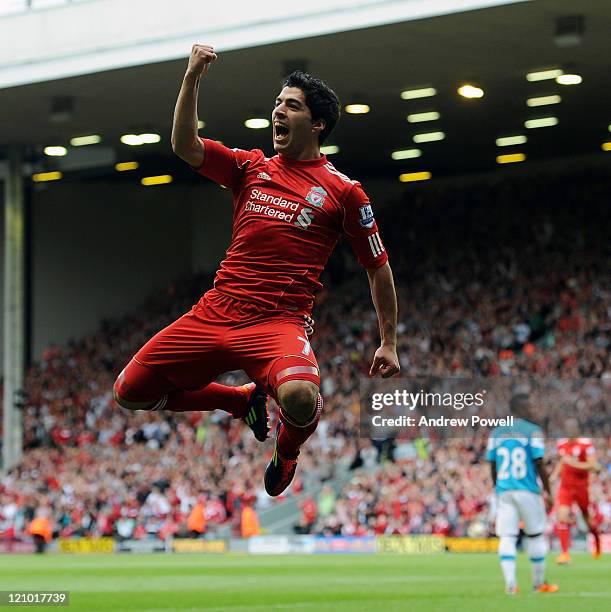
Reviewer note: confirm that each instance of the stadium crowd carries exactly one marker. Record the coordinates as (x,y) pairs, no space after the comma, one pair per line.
(509,277)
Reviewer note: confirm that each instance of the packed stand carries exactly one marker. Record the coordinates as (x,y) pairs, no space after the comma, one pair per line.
(429,488)
(509,277)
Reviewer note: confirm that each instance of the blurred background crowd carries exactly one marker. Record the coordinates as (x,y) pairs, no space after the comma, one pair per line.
(509,277)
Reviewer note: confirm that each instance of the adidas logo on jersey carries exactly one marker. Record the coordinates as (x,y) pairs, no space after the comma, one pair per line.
(264,176)
(377,248)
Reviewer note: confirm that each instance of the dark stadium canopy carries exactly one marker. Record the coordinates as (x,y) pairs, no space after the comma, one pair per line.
(492,48)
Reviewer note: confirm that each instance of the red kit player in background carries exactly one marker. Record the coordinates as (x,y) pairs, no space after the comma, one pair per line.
(288,213)
(577,460)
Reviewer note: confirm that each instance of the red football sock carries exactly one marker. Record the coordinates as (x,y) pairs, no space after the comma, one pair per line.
(594,531)
(233,400)
(291,436)
(563,532)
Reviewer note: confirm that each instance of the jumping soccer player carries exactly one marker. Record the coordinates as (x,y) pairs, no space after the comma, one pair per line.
(515,454)
(577,460)
(288,213)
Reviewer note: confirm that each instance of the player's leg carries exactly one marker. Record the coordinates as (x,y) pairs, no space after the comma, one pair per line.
(278,355)
(537,549)
(594,530)
(507,528)
(562,528)
(532,511)
(176,368)
(583,502)
(139,387)
(213,396)
(300,410)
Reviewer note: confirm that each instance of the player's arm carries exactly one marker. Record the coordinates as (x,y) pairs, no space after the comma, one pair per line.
(555,472)
(545,481)
(362,231)
(491,456)
(589,465)
(493,471)
(185,141)
(385,360)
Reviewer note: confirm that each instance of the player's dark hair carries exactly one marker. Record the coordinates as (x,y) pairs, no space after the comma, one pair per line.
(320,98)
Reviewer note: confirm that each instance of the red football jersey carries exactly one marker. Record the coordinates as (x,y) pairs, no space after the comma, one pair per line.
(580,449)
(287,217)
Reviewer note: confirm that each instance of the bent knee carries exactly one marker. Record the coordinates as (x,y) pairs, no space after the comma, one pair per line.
(119,391)
(298,399)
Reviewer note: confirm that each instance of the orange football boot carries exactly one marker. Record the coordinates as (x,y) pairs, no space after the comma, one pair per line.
(563,558)
(547,588)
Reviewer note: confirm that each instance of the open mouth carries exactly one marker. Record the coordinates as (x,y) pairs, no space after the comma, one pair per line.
(281,132)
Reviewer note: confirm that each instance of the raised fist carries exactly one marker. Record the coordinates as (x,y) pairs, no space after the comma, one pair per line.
(201,59)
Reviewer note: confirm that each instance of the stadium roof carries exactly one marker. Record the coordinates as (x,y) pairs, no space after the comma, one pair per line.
(492,48)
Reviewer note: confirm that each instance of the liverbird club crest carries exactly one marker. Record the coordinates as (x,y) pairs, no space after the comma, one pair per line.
(316,196)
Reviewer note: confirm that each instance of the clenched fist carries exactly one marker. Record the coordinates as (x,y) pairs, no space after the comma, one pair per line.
(385,362)
(201,59)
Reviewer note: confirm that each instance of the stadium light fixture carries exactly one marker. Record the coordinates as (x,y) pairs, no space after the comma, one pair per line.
(541,122)
(428,137)
(150,138)
(544,75)
(470,91)
(163,179)
(511,158)
(569,79)
(55,151)
(406,154)
(135,140)
(83,141)
(43,177)
(256,123)
(411,177)
(508,141)
(423,92)
(125,166)
(543,100)
(357,109)
(420,117)
(606,146)
(329,149)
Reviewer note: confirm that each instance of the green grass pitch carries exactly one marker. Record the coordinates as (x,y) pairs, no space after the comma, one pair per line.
(337,583)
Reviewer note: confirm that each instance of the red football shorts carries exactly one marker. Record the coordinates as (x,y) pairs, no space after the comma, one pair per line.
(567,496)
(221,334)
